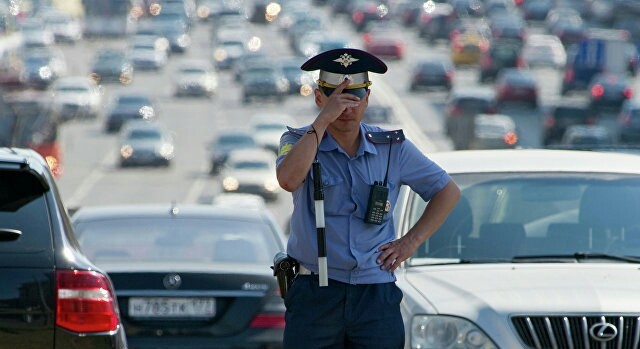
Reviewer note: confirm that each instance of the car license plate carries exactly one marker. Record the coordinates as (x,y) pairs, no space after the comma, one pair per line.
(167,307)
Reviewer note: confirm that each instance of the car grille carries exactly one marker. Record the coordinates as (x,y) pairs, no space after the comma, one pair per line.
(579,332)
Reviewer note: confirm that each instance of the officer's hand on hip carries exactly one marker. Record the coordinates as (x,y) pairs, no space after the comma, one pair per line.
(394,253)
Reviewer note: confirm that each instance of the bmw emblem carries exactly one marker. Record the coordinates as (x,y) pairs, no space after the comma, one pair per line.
(172,281)
(603,331)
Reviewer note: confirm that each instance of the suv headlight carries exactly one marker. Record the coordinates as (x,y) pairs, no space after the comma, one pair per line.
(447,332)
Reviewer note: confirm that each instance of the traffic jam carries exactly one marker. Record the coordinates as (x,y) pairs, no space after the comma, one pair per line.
(141,203)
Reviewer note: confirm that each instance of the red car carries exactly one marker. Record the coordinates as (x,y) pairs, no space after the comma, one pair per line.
(518,86)
(386,46)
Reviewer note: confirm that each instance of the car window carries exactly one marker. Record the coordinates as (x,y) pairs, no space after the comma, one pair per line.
(23,207)
(144,134)
(505,215)
(191,240)
(250,165)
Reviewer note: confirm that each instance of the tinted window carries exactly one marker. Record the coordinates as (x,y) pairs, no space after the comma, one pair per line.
(23,207)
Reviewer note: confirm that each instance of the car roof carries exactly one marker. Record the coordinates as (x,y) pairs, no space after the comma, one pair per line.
(165,210)
(536,160)
(23,158)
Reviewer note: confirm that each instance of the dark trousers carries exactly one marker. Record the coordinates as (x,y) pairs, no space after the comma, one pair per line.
(343,316)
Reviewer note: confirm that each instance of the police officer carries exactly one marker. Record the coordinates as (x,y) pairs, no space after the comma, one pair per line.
(359,308)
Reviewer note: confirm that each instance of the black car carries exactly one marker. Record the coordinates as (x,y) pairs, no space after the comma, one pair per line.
(433,72)
(189,276)
(501,54)
(128,106)
(112,65)
(562,115)
(609,91)
(53,296)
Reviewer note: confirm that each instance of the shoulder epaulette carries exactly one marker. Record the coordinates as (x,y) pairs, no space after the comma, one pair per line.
(385,137)
(296,131)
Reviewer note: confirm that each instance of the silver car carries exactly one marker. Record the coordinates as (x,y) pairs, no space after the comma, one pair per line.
(541,251)
(145,143)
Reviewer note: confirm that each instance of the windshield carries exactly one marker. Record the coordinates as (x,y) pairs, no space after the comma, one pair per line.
(502,216)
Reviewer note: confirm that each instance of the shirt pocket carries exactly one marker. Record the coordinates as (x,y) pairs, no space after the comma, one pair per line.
(337,200)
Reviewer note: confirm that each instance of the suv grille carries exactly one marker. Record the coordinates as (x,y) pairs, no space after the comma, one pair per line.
(579,332)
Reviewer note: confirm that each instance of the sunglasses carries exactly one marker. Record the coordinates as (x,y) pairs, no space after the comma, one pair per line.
(358,92)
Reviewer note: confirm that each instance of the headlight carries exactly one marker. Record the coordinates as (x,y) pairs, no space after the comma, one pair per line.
(271,185)
(126,151)
(146,112)
(166,151)
(230,184)
(45,73)
(220,55)
(447,332)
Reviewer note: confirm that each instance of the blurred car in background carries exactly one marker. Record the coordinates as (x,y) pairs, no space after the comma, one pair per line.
(467,45)
(503,53)
(76,97)
(300,82)
(437,23)
(377,114)
(267,128)
(609,91)
(389,47)
(54,296)
(42,66)
(563,114)
(251,171)
(224,142)
(226,51)
(195,77)
(265,81)
(199,273)
(515,85)
(536,225)
(144,143)
(147,53)
(433,72)
(544,50)
(111,65)
(494,131)
(65,28)
(628,122)
(462,105)
(127,106)
(584,136)
(27,121)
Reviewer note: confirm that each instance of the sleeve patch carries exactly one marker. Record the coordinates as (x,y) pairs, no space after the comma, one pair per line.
(285,149)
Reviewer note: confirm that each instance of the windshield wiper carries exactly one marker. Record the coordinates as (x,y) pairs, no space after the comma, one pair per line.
(578,256)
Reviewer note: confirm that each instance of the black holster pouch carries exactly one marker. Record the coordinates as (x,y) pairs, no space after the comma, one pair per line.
(284,269)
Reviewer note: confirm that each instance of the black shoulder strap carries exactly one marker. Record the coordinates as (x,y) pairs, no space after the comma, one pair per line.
(386,137)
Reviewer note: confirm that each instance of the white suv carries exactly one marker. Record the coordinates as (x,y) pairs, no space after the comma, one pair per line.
(542,251)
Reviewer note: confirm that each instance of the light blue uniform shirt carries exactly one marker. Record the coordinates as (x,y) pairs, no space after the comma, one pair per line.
(351,242)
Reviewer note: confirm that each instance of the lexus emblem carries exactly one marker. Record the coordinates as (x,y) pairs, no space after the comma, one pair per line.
(603,331)
(172,281)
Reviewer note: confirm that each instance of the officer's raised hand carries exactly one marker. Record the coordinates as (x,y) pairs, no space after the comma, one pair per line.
(335,104)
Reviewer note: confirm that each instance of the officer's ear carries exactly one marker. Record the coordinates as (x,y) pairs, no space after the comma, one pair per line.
(319,97)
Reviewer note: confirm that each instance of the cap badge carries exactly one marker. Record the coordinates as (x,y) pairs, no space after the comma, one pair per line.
(345,59)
